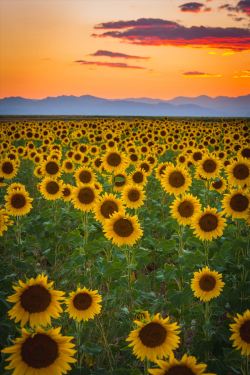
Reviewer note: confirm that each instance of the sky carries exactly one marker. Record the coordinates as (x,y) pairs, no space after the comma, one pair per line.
(124,48)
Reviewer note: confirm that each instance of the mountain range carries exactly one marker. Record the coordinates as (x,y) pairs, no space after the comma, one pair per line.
(202,106)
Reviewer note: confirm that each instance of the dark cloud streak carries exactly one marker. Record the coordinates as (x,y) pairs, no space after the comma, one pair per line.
(111,54)
(109,64)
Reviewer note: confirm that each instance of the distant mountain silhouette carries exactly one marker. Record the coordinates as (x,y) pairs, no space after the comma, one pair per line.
(90,105)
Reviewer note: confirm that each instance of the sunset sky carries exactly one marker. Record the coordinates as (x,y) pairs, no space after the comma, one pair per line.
(124,48)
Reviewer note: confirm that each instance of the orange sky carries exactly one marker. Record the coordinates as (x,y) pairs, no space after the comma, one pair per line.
(42,39)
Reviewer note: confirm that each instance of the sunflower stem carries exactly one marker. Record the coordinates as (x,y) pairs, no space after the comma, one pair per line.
(206,328)
(106,344)
(146,366)
(78,341)
(206,251)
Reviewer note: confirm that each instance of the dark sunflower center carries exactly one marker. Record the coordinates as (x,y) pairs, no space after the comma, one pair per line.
(123,227)
(176,179)
(239,202)
(52,187)
(246,152)
(18,200)
(82,301)
(7,167)
(108,208)
(35,299)
(86,195)
(197,156)
(66,192)
(207,283)
(179,370)
(217,184)
(133,195)
(186,209)
(153,335)
(69,165)
(208,222)
(85,177)
(114,159)
(209,166)
(39,351)
(98,162)
(245,331)
(77,157)
(119,180)
(145,166)
(52,167)
(138,177)
(241,171)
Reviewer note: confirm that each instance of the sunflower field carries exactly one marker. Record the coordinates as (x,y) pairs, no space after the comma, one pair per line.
(124,246)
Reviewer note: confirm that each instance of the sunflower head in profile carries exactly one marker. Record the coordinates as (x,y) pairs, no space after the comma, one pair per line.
(119,181)
(122,229)
(160,170)
(154,337)
(207,284)
(114,161)
(187,365)
(84,197)
(239,172)
(106,206)
(133,196)
(84,175)
(8,168)
(84,304)
(183,209)
(51,168)
(5,221)
(51,188)
(36,302)
(18,202)
(176,180)
(236,204)
(209,167)
(41,352)
(208,224)
(241,333)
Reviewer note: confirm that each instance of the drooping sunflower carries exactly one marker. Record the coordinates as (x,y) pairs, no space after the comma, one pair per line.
(18,202)
(8,168)
(50,188)
(241,333)
(236,204)
(50,168)
(187,365)
(183,209)
(41,352)
(106,206)
(5,221)
(154,338)
(239,172)
(133,196)
(207,284)
(208,224)
(36,302)
(84,304)
(84,197)
(209,167)
(122,229)
(114,161)
(84,175)
(176,180)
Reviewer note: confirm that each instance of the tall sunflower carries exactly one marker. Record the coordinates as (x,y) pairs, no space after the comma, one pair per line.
(239,172)
(106,206)
(36,302)
(122,229)
(208,224)
(183,209)
(176,180)
(187,365)
(236,204)
(18,202)
(241,333)
(84,197)
(41,352)
(154,338)
(83,304)
(133,196)
(207,284)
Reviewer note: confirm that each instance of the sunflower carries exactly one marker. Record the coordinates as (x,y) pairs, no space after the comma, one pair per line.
(50,188)
(83,304)
(50,168)
(122,229)
(67,191)
(84,175)
(236,204)
(241,333)
(209,167)
(18,202)
(68,166)
(154,338)
(114,161)
(138,177)
(133,196)
(187,365)
(208,224)
(8,168)
(41,352)
(84,197)
(119,181)
(219,185)
(35,302)
(239,172)
(207,284)
(176,180)
(160,170)
(106,206)
(183,209)
(5,221)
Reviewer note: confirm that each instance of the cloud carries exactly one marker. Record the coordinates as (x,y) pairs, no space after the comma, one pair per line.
(242,6)
(109,64)
(159,32)
(192,7)
(118,55)
(243,74)
(201,74)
